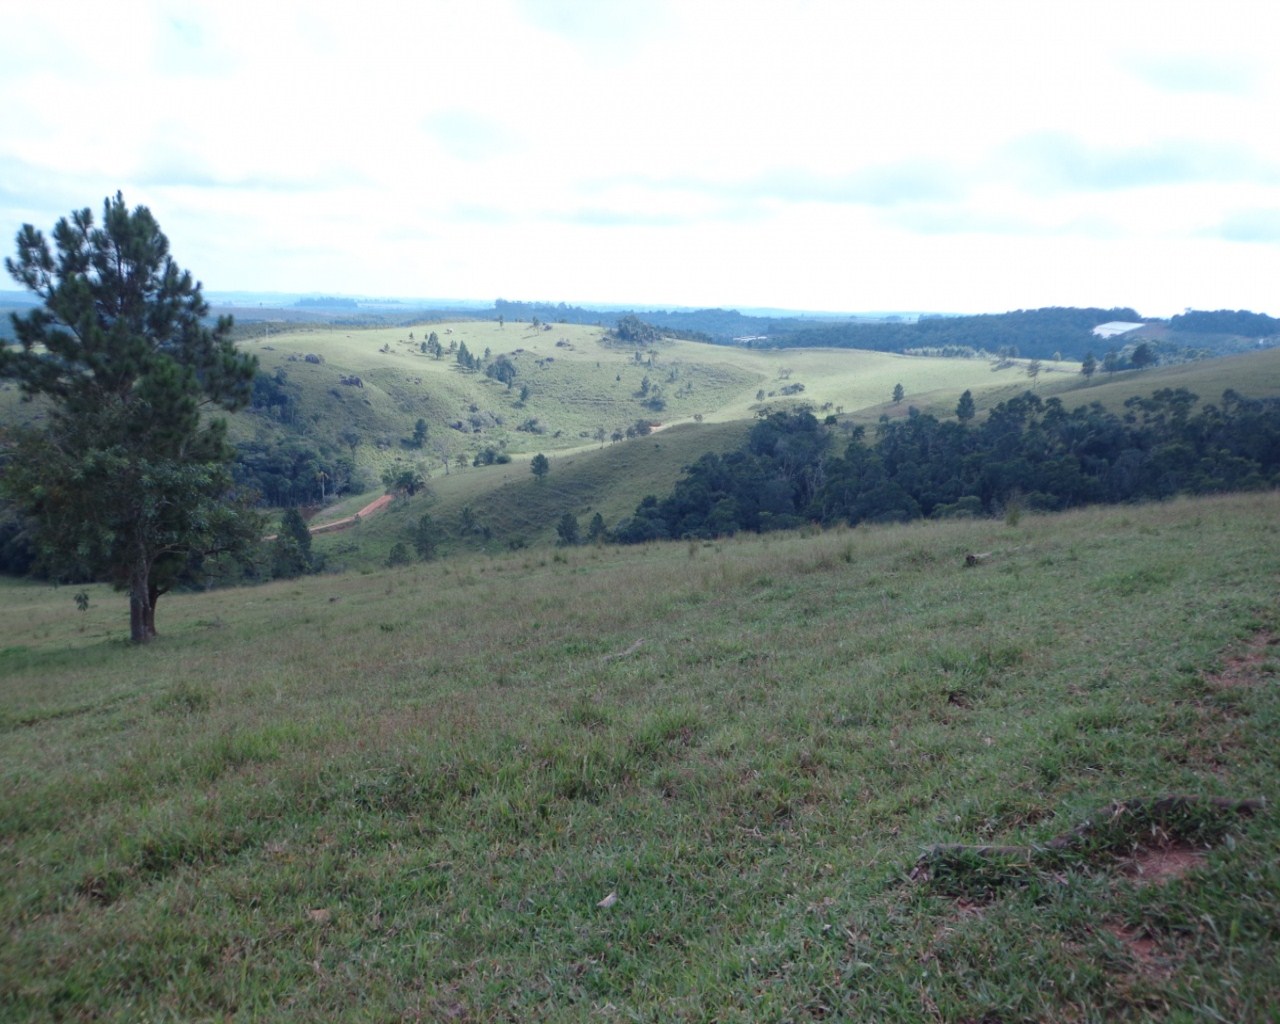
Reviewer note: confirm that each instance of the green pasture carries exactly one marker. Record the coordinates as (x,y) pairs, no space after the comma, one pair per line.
(521,511)
(579,384)
(677,782)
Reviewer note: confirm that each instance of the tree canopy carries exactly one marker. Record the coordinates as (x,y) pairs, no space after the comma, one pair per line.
(1028,451)
(129,481)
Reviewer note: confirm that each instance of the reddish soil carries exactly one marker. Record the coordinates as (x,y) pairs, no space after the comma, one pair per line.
(341,524)
(1157,866)
(1246,667)
(1142,949)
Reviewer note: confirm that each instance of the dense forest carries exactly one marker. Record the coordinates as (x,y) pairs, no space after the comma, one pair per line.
(1233,322)
(1028,453)
(1060,332)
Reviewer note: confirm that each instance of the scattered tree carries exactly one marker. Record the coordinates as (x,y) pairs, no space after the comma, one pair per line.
(540,466)
(130,480)
(424,538)
(404,481)
(965,408)
(567,529)
(1143,356)
(1089,365)
(898,393)
(398,555)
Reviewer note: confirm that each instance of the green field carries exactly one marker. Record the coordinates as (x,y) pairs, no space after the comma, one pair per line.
(688,781)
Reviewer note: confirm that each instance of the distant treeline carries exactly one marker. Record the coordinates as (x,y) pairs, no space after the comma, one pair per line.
(1238,322)
(1049,333)
(328,302)
(711,325)
(1064,332)
(1028,453)
(1029,333)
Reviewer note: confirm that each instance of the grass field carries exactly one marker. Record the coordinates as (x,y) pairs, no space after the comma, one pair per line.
(675,782)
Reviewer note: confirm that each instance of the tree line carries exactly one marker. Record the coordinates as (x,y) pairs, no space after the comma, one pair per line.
(1030,333)
(1027,453)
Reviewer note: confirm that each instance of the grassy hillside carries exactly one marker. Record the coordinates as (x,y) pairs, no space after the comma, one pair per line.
(612,479)
(677,782)
(578,383)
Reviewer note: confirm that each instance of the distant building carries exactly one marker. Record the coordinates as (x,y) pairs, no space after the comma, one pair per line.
(1114,328)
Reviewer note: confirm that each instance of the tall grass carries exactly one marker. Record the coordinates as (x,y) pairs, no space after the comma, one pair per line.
(678,782)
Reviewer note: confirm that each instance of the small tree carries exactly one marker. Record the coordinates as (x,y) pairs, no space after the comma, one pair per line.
(1143,356)
(130,479)
(404,481)
(1033,369)
(965,408)
(898,393)
(540,466)
(1089,366)
(596,530)
(424,538)
(398,555)
(567,529)
(419,433)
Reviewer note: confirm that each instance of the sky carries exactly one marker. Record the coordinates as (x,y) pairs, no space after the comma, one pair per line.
(843,155)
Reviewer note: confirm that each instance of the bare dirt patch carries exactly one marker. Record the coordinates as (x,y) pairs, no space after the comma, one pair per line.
(1248,667)
(1161,865)
(1142,950)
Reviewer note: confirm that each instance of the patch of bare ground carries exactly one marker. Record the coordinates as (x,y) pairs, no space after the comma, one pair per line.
(1161,865)
(1142,950)
(1248,667)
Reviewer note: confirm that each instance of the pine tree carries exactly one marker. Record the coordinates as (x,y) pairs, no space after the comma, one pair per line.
(129,481)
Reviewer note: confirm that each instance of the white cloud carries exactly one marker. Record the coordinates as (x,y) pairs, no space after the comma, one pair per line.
(816,153)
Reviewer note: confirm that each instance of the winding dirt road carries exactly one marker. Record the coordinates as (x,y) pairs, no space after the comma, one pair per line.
(341,524)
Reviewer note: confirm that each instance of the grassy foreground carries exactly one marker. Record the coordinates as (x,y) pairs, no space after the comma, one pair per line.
(680,782)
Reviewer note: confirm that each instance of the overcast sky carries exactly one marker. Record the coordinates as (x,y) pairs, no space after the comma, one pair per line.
(972,156)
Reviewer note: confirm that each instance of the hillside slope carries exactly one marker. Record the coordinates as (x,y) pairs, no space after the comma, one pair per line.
(676,782)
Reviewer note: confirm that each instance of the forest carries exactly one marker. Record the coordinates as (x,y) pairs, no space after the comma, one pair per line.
(1049,333)
(1028,453)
